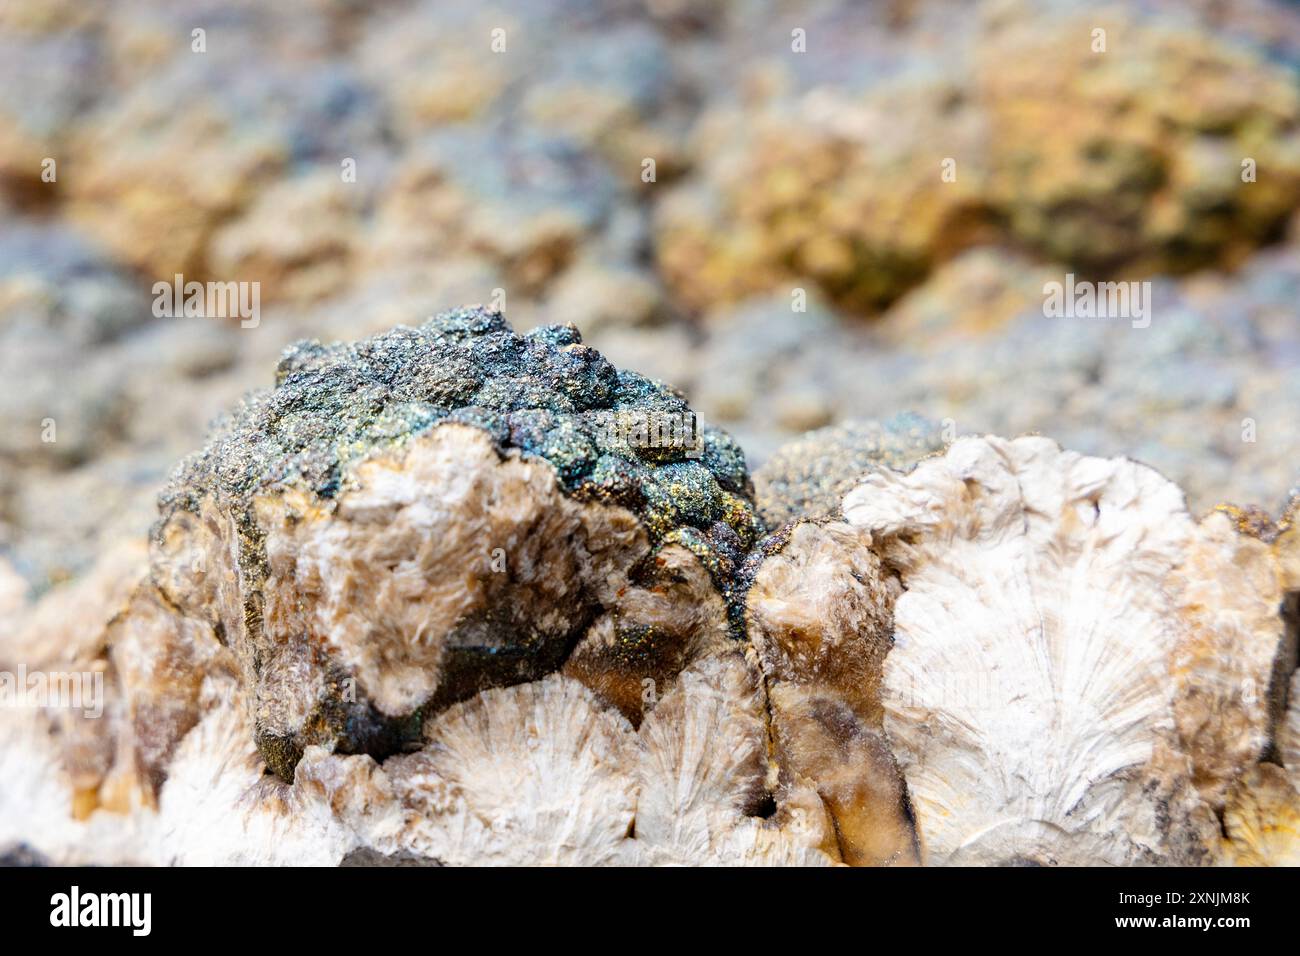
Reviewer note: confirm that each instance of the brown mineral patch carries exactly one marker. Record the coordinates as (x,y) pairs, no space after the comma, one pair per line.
(820,616)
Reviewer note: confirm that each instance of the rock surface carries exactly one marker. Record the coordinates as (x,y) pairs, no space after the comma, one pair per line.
(517,178)
(424,535)
(1071,650)
(375,539)
(436,598)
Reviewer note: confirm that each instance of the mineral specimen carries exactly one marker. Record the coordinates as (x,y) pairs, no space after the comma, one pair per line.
(457,595)
(810,476)
(404,522)
(1079,669)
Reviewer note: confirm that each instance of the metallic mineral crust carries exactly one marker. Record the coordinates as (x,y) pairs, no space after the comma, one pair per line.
(809,476)
(310,493)
(457,595)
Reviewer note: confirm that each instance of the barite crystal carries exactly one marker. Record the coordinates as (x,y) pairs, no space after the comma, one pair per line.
(458,595)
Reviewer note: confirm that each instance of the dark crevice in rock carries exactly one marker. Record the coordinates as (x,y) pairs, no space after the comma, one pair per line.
(1284,667)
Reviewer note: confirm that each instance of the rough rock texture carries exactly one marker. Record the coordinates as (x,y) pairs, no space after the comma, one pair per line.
(519,178)
(404,522)
(1079,669)
(810,476)
(1200,395)
(820,613)
(1262,820)
(1289,734)
(1123,158)
(684,790)
(435,515)
(520,173)
(420,602)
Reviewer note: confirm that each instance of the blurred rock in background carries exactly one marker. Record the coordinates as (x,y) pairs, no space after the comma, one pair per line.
(802,214)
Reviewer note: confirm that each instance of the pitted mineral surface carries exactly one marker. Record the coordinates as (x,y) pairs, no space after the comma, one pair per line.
(810,476)
(611,435)
(407,520)
(435,645)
